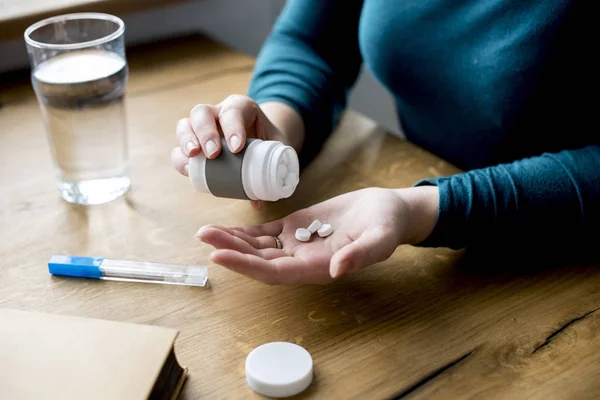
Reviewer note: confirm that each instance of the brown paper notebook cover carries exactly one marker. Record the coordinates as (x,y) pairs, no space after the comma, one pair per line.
(48,356)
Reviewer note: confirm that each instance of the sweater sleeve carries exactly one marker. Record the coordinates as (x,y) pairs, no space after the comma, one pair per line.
(549,200)
(310,61)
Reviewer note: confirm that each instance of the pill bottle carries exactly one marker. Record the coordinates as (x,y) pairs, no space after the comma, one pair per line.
(263,170)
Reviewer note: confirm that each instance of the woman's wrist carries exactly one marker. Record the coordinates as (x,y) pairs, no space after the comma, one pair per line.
(421,212)
(287,120)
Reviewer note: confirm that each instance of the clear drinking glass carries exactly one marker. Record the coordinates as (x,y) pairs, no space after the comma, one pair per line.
(79,73)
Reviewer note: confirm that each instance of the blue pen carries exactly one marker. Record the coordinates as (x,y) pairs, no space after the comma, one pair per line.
(128,271)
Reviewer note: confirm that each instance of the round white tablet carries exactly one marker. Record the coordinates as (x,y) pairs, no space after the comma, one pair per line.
(314,226)
(303,234)
(325,230)
(279,369)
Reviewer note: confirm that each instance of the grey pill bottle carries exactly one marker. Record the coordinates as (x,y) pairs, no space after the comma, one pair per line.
(263,170)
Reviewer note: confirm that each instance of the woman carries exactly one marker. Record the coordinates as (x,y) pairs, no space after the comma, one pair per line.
(492,86)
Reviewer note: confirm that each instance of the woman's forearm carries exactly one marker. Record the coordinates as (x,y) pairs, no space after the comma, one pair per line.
(551,201)
(309,62)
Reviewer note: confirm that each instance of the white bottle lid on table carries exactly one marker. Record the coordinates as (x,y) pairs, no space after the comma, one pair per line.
(279,369)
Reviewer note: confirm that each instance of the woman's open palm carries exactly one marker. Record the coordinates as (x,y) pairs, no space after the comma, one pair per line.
(367,228)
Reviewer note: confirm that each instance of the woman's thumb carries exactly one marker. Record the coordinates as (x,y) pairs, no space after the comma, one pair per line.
(372,246)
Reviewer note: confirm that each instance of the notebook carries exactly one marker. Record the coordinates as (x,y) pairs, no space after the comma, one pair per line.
(50,356)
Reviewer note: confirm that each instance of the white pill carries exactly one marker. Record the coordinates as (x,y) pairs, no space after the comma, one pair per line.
(282,171)
(325,230)
(303,234)
(279,369)
(291,179)
(312,228)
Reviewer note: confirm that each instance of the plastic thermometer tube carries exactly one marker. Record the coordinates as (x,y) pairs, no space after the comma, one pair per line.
(129,271)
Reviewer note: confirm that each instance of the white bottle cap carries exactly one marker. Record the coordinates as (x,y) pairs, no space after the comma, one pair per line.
(279,369)
(262,168)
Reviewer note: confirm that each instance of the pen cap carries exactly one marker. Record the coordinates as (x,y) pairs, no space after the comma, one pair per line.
(83,267)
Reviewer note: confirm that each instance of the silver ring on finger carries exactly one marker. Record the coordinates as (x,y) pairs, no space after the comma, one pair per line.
(277,243)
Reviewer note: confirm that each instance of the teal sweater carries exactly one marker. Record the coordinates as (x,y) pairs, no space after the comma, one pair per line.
(495,87)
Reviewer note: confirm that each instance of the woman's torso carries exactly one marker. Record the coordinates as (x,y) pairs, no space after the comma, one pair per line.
(483,82)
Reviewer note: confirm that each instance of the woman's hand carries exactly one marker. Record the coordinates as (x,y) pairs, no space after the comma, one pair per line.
(236,118)
(368,225)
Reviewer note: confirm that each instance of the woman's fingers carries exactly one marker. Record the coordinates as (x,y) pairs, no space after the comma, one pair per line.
(273,228)
(278,271)
(259,243)
(220,239)
(235,114)
(257,205)
(223,240)
(187,139)
(180,161)
(271,254)
(203,120)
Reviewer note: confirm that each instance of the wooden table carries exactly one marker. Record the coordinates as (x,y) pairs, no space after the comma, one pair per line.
(428,323)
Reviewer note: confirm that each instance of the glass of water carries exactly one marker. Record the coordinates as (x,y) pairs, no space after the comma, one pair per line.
(79,73)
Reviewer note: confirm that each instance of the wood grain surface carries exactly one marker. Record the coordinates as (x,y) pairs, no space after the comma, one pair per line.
(17,15)
(427,323)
